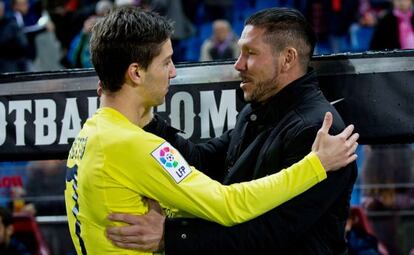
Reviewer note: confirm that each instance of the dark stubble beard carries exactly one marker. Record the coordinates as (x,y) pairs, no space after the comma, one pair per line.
(264,90)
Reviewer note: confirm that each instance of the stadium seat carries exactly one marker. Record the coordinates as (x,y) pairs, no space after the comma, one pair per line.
(361,222)
(28,232)
(360,37)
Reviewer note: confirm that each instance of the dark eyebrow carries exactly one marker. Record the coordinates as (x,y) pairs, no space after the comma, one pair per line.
(168,57)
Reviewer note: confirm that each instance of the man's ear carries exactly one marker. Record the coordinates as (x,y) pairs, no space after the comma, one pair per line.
(134,74)
(9,230)
(99,89)
(290,58)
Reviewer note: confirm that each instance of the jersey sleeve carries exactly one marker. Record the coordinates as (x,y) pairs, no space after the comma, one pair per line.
(164,175)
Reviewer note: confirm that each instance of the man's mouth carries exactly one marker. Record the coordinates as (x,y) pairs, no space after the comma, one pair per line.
(244,80)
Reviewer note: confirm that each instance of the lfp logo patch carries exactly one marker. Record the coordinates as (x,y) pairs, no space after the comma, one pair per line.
(172,161)
(167,157)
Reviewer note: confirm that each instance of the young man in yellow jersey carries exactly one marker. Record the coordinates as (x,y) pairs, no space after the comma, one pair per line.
(114,165)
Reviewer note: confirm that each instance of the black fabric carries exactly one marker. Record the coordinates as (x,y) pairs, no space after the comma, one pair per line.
(13,46)
(312,223)
(15,247)
(216,54)
(379,104)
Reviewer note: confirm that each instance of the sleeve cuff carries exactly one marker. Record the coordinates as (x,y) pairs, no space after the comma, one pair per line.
(317,166)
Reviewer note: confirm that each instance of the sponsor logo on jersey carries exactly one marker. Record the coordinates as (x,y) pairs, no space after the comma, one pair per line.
(172,161)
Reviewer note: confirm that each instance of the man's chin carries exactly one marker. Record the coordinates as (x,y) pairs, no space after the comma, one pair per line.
(157,102)
(160,102)
(247,98)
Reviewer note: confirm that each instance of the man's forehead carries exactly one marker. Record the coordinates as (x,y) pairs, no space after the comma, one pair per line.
(246,30)
(166,49)
(250,31)
(251,35)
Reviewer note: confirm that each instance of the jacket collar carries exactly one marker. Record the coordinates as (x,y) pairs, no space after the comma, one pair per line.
(281,103)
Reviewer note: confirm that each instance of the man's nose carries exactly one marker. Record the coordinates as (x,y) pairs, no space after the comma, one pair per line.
(173,71)
(240,64)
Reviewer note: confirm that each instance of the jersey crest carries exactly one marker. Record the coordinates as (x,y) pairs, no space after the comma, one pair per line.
(172,161)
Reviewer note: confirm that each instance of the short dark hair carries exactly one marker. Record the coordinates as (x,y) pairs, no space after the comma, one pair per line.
(124,36)
(6,216)
(286,27)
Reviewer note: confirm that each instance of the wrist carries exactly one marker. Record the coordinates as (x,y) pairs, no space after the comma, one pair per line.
(323,160)
(161,244)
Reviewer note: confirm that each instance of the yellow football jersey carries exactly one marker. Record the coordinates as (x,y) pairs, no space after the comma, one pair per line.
(113,164)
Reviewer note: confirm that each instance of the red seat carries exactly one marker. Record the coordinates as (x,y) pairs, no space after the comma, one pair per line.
(361,222)
(28,232)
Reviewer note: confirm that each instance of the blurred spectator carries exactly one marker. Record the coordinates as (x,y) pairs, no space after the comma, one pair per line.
(359,240)
(13,44)
(45,187)
(44,197)
(20,9)
(78,54)
(362,30)
(69,17)
(190,9)
(222,44)
(9,245)
(388,165)
(183,28)
(222,9)
(331,20)
(386,179)
(103,7)
(395,29)
(13,178)
(367,13)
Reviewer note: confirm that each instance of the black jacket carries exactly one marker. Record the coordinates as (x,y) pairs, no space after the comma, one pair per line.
(386,34)
(15,247)
(265,140)
(13,47)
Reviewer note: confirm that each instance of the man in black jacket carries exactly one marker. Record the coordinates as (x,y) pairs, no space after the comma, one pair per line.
(13,44)
(395,29)
(274,130)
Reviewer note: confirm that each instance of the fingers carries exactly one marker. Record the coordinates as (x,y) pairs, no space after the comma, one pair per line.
(126,218)
(327,122)
(123,230)
(352,149)
(352,146)
(326,125)
(154,205)
(120,235)
(351,159)
(131,238)
(353,138)
(315,145)
(347,132)
(132,246)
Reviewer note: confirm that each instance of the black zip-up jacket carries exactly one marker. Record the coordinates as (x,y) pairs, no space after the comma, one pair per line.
(265,140)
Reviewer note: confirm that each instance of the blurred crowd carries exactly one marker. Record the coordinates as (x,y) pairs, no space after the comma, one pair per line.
(44,35)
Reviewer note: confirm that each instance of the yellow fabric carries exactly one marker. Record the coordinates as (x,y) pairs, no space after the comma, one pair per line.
(117,164)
